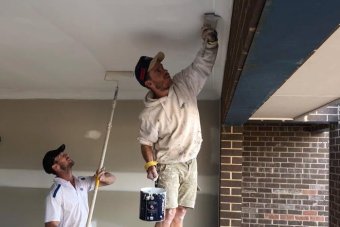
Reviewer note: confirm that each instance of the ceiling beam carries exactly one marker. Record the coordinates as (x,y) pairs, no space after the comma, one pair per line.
(244,21)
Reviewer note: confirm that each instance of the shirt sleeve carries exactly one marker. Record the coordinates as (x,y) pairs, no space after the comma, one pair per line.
(53,206)
(87,182)
(148,132)
(196,74)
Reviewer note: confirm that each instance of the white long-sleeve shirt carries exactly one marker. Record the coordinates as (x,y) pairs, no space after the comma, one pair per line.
(171,124)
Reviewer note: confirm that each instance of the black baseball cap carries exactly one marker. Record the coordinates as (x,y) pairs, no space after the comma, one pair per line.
(145,64)
(49,157)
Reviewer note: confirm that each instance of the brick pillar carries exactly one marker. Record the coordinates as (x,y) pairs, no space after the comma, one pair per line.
(231,176)
(334,176)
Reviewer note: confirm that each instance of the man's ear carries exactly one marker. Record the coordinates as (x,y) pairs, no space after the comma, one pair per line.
(55,167)
(148,83)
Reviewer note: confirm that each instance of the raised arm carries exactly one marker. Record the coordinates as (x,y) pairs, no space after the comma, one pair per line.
(196,74)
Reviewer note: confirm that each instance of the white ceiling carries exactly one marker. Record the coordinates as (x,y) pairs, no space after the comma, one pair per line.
(62,49)
(313,85)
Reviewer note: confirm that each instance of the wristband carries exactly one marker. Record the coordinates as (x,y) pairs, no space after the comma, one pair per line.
(212,42)
(211,45)
(149,164)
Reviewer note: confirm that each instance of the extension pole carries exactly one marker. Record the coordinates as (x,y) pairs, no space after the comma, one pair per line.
(109,125)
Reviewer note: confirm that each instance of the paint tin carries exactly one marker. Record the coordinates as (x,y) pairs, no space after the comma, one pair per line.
(152,204)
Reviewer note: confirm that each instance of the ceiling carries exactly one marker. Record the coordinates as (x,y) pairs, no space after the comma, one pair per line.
(62,49)
(292,66)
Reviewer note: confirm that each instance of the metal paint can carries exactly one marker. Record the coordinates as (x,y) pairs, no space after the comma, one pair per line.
(152,204)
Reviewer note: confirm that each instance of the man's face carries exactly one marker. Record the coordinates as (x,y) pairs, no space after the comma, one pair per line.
(160,77)
(64,161)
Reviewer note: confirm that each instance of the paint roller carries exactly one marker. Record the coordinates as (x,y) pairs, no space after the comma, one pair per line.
(210,20)
(109,76)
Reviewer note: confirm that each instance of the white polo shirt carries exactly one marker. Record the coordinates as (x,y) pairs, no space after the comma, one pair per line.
(171,124)
(67,204)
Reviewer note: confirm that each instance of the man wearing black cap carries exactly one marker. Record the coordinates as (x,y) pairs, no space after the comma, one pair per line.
(67,202)
(170,131)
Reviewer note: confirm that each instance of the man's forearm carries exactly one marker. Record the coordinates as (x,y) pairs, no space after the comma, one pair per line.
(147,153)
(150,166)
(52,224)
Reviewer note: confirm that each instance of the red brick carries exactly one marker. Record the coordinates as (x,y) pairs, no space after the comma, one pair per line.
(235,222)
(235,144)
(238,137)
(231,152)
(233,215)
(236,191)
(225,175)
(226,160)
(231,183)
(318,218)
(232,199)
(224,222)
(236,175)
(272,216)
(309,212)
(301,218)
(226,144)
(225,206)
(288,217)
(224,191)
(236,207)
(231,168)
(236,160)
(237,129)
(309,192)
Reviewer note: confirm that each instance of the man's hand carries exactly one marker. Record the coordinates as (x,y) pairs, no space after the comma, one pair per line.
(100,174)
(209,35)
(105,178)
(152,173)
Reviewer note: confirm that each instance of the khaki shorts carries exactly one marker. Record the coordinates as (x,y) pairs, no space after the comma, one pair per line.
(180,182)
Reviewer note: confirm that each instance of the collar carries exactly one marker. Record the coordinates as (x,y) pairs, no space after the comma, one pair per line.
(149,101)
(62,181)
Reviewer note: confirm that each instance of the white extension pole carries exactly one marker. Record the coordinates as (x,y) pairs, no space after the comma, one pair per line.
(109,125)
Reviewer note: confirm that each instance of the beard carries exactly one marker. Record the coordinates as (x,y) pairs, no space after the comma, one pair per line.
(162,86)
(67,166)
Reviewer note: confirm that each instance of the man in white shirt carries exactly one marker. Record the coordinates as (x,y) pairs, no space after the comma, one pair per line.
(170,131)
(67,201)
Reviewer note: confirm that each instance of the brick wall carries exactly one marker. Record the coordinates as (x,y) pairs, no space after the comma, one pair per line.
(231,176)
(334,176)
(284,176)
